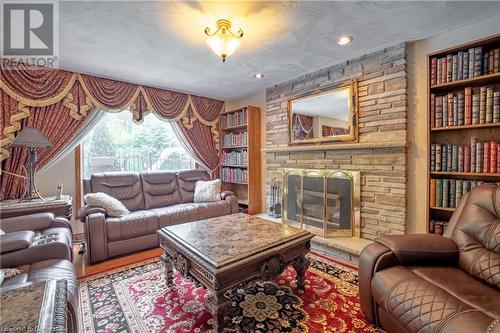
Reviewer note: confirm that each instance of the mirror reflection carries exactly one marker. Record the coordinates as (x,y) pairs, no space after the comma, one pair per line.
(325,116)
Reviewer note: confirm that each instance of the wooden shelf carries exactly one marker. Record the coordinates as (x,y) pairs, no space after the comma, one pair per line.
(466,174)
(234,147)
(232,128)
(443,209)
(224,181)
(233,166)
(465,127)
(472,82)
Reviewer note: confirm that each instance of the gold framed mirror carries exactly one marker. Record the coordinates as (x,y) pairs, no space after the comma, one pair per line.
(330,115)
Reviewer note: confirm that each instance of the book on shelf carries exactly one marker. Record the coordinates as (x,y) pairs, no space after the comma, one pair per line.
(454,71)
(478,157)
(437,227)
(465,74)
(460,108)
(234,175)
(485,62)
(496,106)
(460,65)
(468,106)
(449,66)
(489,105)
(434,71)
(448,192)
(496,57)
(439,111)
(478,57)
(475,109)
(472,60)
(446,113)
(439,71)
(433,110)
(494,161)
(482,105)
(233,119)
(235,139)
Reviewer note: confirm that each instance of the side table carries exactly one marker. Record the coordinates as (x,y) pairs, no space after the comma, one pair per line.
(38,307)
(61,207)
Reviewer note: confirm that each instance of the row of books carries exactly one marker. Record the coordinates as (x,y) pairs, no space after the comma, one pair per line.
(234,158)
(234,175)
(446,193)
(478,157)
(464,65)
(437,227)
(465,107)
(235,139)
(233,119)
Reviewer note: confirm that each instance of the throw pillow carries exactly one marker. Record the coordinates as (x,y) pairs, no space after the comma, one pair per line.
(207,191)
(2,232)
(113,206)
(7,273)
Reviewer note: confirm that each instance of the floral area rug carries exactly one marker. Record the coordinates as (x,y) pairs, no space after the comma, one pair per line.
(135,299)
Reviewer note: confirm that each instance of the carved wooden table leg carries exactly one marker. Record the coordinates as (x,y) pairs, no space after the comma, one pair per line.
(301,264)
(169,269)
(218,305)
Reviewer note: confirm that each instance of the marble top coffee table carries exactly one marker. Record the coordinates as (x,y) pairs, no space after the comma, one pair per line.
(232,251)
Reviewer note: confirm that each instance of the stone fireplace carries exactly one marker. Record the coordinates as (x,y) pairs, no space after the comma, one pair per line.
(325,202)
(380,156)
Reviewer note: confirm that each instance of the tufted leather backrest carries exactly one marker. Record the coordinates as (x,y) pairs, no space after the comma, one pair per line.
(475,228)
(124,186)
(187,181)
(160,189)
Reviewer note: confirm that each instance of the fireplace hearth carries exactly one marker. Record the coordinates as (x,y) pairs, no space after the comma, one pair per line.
(325,202)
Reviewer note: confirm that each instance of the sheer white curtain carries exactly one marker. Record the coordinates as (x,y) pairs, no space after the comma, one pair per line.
(90,123)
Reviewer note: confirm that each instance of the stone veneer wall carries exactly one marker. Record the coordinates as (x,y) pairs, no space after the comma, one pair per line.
(382,87)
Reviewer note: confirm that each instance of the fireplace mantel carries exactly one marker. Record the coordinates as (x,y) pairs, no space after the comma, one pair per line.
(360,145)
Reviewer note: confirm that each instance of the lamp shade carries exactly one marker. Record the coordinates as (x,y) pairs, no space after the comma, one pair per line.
(31,137)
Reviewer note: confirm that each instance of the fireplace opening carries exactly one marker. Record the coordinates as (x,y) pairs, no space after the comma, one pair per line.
(325,202)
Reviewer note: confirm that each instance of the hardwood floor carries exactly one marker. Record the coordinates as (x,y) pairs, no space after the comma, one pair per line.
(84,270)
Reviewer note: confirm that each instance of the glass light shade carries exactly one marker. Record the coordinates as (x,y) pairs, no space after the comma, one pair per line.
(223,44)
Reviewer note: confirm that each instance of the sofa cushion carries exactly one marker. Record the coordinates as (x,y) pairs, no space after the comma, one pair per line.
(187,182)
(207,191)
(213,209)
(464,287)
(160,189)
(124,186)
(176,214)
(135,224)
(417,304)
(112,206)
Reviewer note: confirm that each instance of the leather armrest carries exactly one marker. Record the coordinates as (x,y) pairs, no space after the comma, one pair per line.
(87,210)
(421,248)
(35,222)
(15,241)
(225,194)
(233,200)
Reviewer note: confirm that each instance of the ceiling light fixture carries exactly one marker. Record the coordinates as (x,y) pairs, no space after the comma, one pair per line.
(259,76)
(344,40)
(223,41)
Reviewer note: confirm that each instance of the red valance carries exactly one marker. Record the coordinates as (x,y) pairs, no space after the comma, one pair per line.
(58,102)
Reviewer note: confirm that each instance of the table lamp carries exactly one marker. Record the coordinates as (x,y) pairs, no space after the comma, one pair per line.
(32,138)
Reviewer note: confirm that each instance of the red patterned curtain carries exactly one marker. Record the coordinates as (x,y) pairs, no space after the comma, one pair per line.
(59,103)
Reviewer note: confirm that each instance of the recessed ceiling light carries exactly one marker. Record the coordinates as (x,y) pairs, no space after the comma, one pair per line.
(344,40)
(259,76)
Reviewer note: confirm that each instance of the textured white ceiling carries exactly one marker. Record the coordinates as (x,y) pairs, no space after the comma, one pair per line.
(162,44)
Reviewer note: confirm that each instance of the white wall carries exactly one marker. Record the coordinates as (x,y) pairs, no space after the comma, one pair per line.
(63,172)
(417,111)
(258,100)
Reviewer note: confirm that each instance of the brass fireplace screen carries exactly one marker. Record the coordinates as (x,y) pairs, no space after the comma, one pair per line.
(325,202)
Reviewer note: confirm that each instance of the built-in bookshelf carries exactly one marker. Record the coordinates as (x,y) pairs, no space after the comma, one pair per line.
(464,125)
(240,157)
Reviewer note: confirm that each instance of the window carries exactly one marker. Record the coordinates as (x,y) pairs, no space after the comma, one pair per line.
(116,143)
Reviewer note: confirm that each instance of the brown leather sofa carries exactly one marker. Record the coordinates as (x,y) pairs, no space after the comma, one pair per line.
(40,245)
(154,199)
(431,283)
(35,237)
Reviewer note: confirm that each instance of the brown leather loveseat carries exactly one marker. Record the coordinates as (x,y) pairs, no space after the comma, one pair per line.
(154,199)
(431,283)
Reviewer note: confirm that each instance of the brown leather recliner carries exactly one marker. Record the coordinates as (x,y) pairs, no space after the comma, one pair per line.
(154,199)
(431,283)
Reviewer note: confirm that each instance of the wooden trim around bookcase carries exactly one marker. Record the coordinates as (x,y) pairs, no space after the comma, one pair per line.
(454,131)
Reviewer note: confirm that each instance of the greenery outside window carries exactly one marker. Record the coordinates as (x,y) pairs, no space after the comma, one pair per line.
(116,143)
